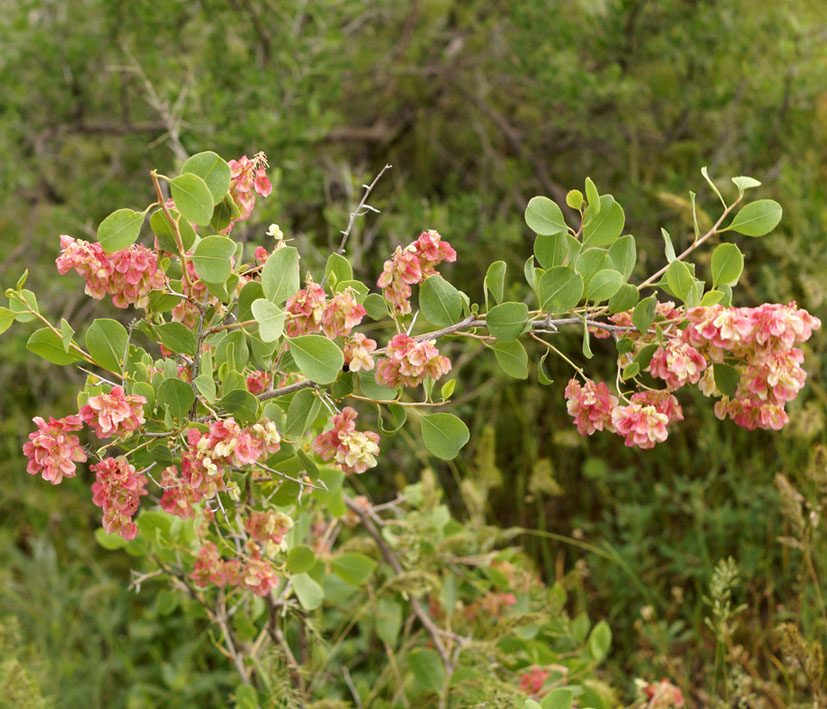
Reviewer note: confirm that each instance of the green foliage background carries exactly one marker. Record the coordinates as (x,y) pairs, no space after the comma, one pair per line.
(478,105)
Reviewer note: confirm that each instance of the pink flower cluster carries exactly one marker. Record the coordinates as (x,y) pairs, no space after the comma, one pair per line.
(590,406)
(128,275)
(117,491)
(178,498)
(411,266)
(354,451)
(52,450)
(210,568)
(248,178)
(409,361)
(759,342)
(203,463)
(642,422)
(258,382)
(660,695)
(255,573)
(532,682)
(310,311)
(113,414)
(269,528)
(358,352)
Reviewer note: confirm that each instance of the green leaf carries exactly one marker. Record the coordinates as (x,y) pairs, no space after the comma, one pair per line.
(744,183)
(270,318)
(246,697)
(625,299)
(555,249)
(601,226)
(679,279)
(161,227)
(353,568)
(212,258)
(302,412)
(512,358)
(177,395)
(427,668)
(300,559)
(444,435)
(193,198)
(319,359)
(543,216)
(120,229)
(280,275)
(66,334)
(600,640)
(48,345)
(388,618)
(630,370)
(574,199)
(18,301)
(559,289)
(694,214)
(398,415)
(507,321)
(592,195)
(668,248)
(177,337)
(7,317)
(644,314)
(213,170)
(603,285)
(440,302)
(645,354)
(495,281)
(375,306)
(560,698)
(241,403)
(206,387)
(622,255)
(338,269)
(110,542)
(309,593)
(106,342)
(705,173)
(757,218)
(221,216)
(587,348)
(542,376)
(726,379)
(727,264)
(590,262)
(712,297)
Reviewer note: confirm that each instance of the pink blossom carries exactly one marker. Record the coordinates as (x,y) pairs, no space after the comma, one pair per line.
(354,451)
(269,527)
(178,497)
(357,350)
(400,272)
(52,450)
(341,314)
(261,254)
(113,414)
(117,490)
(432,251)
(532,682)
(305,310)
(258,382)
(664,403)
(248,178)
(590,406)
(128,275)
(663,695)
(258,575)
(677,363)
(210,568)
(642,426)
(265,432)
(409,361)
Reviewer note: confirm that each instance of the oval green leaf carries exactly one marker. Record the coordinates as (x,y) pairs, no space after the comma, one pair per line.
(211,168)
(270,319)
(106,342)
(559,289)
(120,229)
(319,359)
(49,346)
(507,321)
(543,216)
(757,218)
(212,258)
(280,275)
(193,198)
(444,435)
(727,264)
(440,302)
(177,395)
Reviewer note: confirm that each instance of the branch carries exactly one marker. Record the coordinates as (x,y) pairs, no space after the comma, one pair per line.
(358,212)
(433,629)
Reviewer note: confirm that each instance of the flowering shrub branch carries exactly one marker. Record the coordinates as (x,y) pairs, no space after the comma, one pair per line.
(224,420)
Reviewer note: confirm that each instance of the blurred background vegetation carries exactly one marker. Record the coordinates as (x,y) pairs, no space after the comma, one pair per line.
(479,105)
